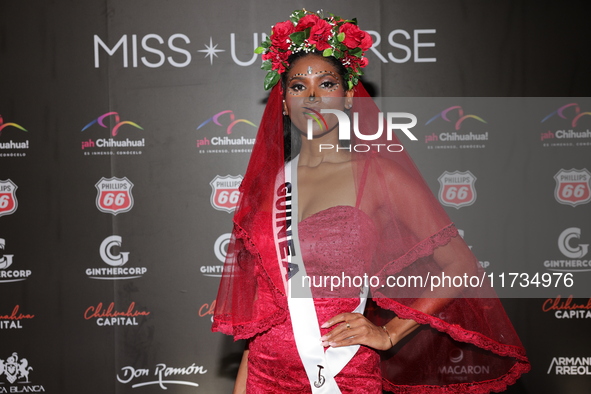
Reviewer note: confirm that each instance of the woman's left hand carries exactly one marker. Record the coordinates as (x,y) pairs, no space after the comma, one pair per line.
(355,329)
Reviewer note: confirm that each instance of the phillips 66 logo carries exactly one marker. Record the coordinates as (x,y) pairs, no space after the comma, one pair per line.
(572,187)
(457,189)
(8,203)
(114,195)
(224,193)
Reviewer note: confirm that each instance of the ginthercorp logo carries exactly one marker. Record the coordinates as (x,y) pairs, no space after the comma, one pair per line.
(16,372)
(14,147)
(8,201)
(224,192)
(119,143)
(7,275)
(570,245)
(111,316)
(177,49)
(228,143)
(454,368)
(573,187)
(570,366)
(220,249)
(14,320)
(568,308)
(457,122)
(392,120)
(567,126)
(112,255)
(114,195)
(162,375)
(457,189)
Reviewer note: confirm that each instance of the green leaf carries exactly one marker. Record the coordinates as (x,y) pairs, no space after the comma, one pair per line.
(271,79)
(338,54)
(267,65)
(350,84)
(297,15)
(341,37)
(259,50)
(298,37)
(327,52)
(357,52)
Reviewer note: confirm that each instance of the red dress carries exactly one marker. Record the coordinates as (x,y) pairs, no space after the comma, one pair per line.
(330,239)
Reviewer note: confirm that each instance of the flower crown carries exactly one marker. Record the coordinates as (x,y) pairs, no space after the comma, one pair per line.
(308,31)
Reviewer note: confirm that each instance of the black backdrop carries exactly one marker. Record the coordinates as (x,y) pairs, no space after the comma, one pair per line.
(126,92)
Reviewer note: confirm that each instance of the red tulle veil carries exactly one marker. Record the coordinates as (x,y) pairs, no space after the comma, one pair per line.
(466,343)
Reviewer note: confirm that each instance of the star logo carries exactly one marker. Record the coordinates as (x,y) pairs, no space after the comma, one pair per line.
(211,50)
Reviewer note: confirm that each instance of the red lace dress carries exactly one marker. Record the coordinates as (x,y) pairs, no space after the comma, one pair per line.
(330,239)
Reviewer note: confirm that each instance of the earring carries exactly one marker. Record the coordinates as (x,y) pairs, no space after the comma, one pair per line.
(284,106)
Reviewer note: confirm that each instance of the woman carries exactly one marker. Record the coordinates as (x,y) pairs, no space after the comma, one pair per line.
(314,207)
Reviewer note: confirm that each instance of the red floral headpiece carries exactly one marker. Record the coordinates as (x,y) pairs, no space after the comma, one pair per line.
(307,31)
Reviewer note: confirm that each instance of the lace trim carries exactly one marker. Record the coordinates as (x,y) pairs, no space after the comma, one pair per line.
(482,387)
(223,322)
(424,248)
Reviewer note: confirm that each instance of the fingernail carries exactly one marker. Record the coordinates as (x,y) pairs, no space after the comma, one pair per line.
(323,338)
(324,343)
(332,343)
(325,325)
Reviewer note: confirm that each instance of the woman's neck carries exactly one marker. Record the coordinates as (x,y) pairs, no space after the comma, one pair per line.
(325,149)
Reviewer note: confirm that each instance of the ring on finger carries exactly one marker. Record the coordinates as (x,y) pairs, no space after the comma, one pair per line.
(348,326)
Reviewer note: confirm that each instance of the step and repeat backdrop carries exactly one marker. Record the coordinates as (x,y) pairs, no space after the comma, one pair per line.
(126,127)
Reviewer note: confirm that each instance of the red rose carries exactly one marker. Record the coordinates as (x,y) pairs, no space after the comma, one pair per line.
(307,21)
(280,34)
(278,59)
(355,37)
(319,34)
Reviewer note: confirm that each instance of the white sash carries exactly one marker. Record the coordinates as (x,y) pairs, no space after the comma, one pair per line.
(320,366)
